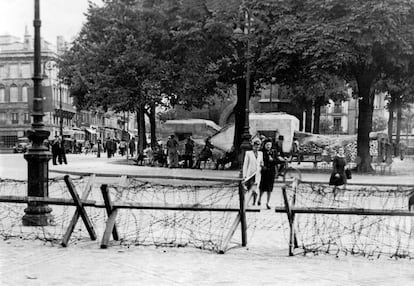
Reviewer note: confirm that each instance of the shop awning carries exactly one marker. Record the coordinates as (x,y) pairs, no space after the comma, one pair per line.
(90,130)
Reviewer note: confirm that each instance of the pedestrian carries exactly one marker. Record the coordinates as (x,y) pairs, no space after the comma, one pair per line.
(87,147)
(295,150)
(172,152)
(131,146)
(281,157)
(338,176)
(55,150)
(122,147)
(62,151)
(402,149)
(268,172)
(99,144)
(108,147)
(252,167)
(188,152)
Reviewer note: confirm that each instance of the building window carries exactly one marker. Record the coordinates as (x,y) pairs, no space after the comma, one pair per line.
(2,94)
(14,94)
(15,118)
(24,93)
(2,71)
(337,125)
(338,107)
(26,118)
(3,118)
(14,71)
(26,73)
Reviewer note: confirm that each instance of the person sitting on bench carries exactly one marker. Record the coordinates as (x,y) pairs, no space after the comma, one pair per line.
(229,157)
(281,157)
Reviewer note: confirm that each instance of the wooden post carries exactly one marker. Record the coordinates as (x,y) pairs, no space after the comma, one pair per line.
(242,215)
(290,219)
(294,188)
(230,234)
(110,226)
(109,208)
(80,211)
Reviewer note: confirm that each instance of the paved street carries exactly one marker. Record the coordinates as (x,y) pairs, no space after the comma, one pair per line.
(263,262)
(14,166)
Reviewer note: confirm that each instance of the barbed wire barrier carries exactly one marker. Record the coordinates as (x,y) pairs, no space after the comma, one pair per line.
(11,213)
(362,220)
(200,216)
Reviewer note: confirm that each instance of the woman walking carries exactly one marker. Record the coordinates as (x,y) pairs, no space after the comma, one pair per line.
(268,172)
(252,167)
(338,176)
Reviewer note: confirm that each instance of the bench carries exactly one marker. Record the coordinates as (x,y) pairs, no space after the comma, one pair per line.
(314,158)
(382,166)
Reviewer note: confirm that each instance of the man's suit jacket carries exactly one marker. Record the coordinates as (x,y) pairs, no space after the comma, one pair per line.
(253,166)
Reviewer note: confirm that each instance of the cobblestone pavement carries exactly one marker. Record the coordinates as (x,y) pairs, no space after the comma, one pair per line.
(263,262)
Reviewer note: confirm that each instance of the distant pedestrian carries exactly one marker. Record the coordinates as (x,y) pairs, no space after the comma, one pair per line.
(62,152)
(172,152)
(338,176)
(55,150)
(122,147)
(108,147)
(281,157)
(131,146)
(188,153)
(87,147)
(99,144)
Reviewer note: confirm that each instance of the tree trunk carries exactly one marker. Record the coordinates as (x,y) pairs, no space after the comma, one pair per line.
(398,131)
(308,118)
(153,126)
(142,141)
(390,120)
(366,106)
(317,117)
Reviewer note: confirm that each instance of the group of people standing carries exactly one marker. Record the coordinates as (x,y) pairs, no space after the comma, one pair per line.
(58,151)
(111,147)
(261,165)
(187,157)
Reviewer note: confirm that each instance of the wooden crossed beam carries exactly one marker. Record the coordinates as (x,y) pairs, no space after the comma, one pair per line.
(80,209)
(112,213)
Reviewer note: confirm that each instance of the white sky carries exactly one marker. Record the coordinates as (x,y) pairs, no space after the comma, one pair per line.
(59,17)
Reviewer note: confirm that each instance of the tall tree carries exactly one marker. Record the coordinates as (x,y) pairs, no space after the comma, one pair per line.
(357,40)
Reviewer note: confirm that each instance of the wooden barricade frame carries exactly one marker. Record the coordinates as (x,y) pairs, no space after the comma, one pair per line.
(291,210)
(112,209)
(80,210)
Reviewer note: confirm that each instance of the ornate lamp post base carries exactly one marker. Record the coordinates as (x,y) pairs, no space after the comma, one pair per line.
(37,216)
(37,157)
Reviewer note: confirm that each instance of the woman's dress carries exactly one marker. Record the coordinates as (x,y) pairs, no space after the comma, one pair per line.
(338,176)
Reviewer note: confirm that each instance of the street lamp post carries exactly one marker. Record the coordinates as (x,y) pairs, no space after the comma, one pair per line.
(37,214)
(245,145)
(60,111)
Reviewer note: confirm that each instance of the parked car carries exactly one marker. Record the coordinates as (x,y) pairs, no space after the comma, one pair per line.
(22,145)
